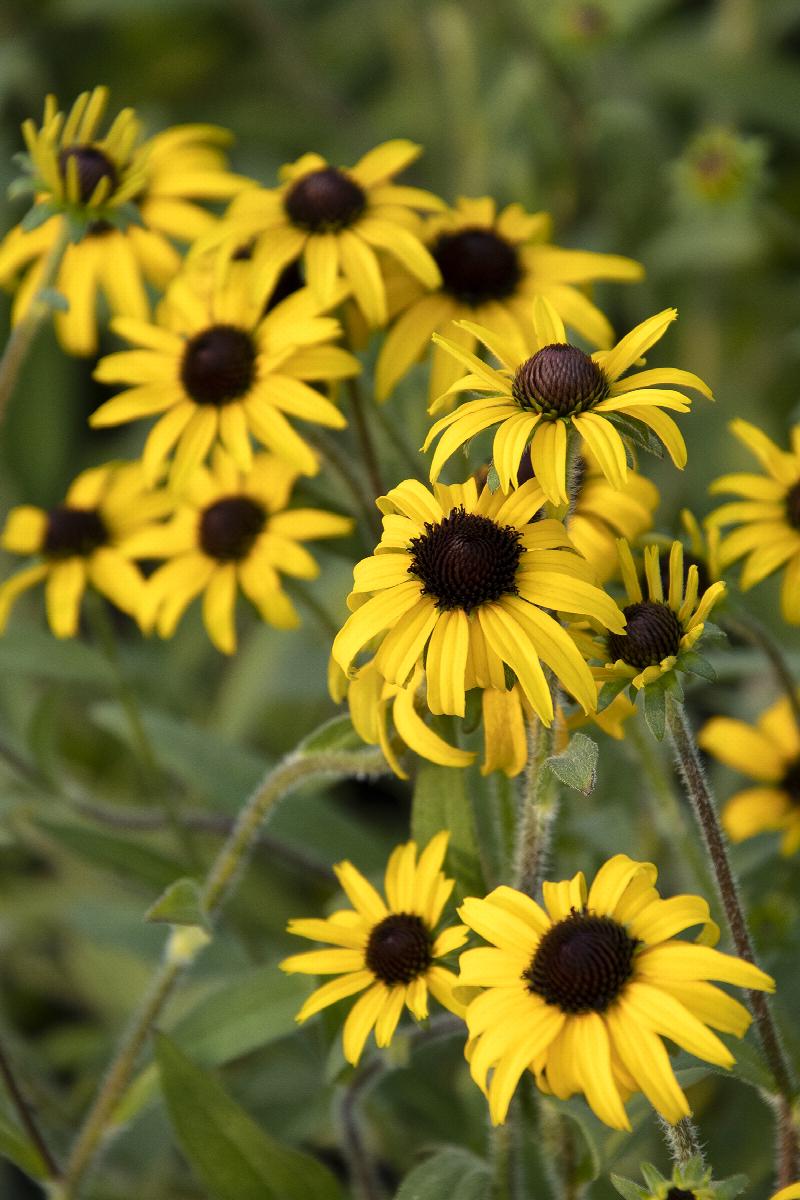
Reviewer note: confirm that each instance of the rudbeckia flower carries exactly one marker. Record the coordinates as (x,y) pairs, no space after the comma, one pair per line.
(767,516)
(128,200)
(691,1180)
(81,543)
(335,219)
(546,386)
(220,371)
(769,754)
(661,627)
(582,991)
(492,265)
(232,530)
(792,1192)
(460,583)
(388,949)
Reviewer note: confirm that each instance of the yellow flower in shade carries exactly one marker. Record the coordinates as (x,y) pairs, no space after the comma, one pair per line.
(661,627)
(770,754)
(459,583)
(216,370)
(583,993)
(602,513)
(338,220)
(492,265)
(767,516)
(373,703)
(232,530)
(97,181)
(545,386)
(792,1192)
(388,949)
(83,542)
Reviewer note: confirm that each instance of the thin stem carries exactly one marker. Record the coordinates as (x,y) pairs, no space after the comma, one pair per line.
(699,793)
(412,462)
(24,332)
(340,464)
(328,627)
(219,884)
(148,761)
(363,1175)
(683,1141)
(25,1114)
(744,625)
(538,811)
(366,444)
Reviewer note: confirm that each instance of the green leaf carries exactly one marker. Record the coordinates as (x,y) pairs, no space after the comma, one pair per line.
(609,691)
(655,708)
(450,1172)
(696,664)
(640,435)
(751,1068)
(40,654)
(492,479)
(227,1150)
(15,1146)
(20,187)
(628,1189)
(652,1176)
(37,216)
(728,1189)
(124,215)
(577,765)
(125,857)
(53,299)
(180,904)
(336,734)
(441,802)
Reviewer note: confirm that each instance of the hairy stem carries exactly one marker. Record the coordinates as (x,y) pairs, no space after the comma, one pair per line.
(24,332)
(26,1115)
(704,807)
(363,1174)
(683,1141)
(538,811)
(219,884)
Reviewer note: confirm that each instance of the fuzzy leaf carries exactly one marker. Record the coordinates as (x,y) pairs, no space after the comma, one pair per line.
(15,1146)
(441,802)
(336,734)
(180,904)
(728,1189)
(641,435)
(450,1172)
(37,216)
(492,479)
(628,1189)
(655,708)
(609,691)
(696,664)
(577,765)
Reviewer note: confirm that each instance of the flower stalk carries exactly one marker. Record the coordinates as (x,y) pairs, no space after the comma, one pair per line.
(538,811)
(26,1115)
(683,1141)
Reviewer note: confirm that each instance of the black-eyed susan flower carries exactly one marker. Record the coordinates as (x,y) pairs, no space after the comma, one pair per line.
(582,993)
(770,754)
(384,714)
(767,515)
(492,265)
(662,627)
(601,513)
(126,200)
(388,949)
(81,543)
(792,1192)
(216,370)
(545,386)
(232,530)
(691,1180)
(460,583)
(338,221)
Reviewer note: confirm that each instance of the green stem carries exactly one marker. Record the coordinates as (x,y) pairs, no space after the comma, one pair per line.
(23,334)
(702,801)
(501,1155)
(153,776)
(366,444)
(341,466)
(744,625)
(328,627)
(412,462)
(538,811)
(26,1116)
(363,1175)
(219,883)
(682,1141)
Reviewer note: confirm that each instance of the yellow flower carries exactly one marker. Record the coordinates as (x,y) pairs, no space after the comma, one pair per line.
(661,628)
(770,754)
(792,1192)
(459,582)
(582,994)
(83,541)
(336,219)
(232,530)
(372,701)
(219,371)
(602,513)
(545,386)
(99,180)
(386,949)
(767,516)
(492,265)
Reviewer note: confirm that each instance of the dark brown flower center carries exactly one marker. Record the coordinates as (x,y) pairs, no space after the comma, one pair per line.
(219,365)
(93,165)
(73,531)
(477,265)
(676,1193)
(290,281)
(653,632)
(791,782)
(229,527)
(327,199)
(466,560)
(559,380)
(582,963)
(399,949)
(793,505)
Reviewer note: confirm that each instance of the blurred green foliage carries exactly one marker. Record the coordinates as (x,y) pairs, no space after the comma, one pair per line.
(611,114)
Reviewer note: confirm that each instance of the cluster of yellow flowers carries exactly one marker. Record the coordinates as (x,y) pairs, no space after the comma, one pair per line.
(485,595)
